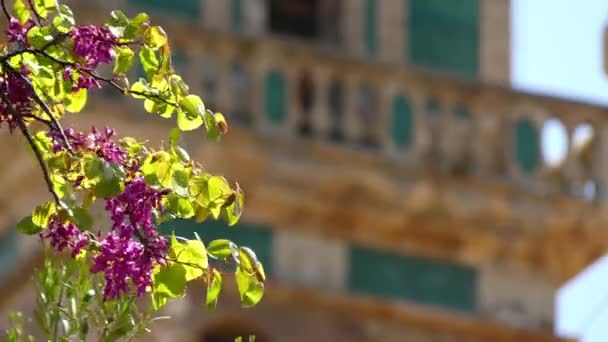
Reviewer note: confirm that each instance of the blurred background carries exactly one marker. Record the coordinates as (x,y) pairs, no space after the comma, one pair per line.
(414,170)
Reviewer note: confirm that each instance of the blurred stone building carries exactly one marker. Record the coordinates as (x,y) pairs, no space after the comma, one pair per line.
(396,189)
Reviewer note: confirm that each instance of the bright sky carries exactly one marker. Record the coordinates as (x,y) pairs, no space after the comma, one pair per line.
(557,49)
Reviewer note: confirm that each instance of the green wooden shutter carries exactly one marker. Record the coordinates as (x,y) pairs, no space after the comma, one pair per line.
(179,60)
(371,26)
(444,35)
(257,237)
(461,113)
(415,279)
(8,252)
(237,15)
(526,145)
(402,122)
(276,97)
(185,9)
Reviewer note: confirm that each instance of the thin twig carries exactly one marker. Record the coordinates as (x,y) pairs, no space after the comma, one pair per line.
(26,133)
(48,112)
(37,16)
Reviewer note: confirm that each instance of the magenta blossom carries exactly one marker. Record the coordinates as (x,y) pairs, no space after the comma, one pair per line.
(100,142)
(17,32)
(65,236)
(93,44)
(134,246)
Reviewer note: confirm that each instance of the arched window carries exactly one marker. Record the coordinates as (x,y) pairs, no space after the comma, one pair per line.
(276,97)
(526,145)
(306,99)
(402,121)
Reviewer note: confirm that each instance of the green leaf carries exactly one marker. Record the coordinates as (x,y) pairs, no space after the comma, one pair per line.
(38,36)
(136,89)
(214,287)
(218,188)
(155,37)
(186,123)
(43,213)
(235,209)
(193,257)
(213,131)
(22,13)
(174,135)
(110,184)
(59,184)
(182,207)
(44,6)
(82,218)
(250,289)
(149,61)
(180,180)
(221,248)
(93,169)
(28,227)
(192,106)
(134,28)
(75,102)
(65,20)
(169,280)
(124,60)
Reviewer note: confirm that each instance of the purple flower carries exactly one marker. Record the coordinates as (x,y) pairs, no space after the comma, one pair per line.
(19,93)
(134,246)
(100,142)
(65,236)
(17,32)
(93,44)
(123,259)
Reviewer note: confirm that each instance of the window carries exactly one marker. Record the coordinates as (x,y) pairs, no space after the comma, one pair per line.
(424,281)
(237,15)
(8,252)
(526,146)
(371,23)
(187,9)
(298,18)
(401,126)
(444,35)
(276,97)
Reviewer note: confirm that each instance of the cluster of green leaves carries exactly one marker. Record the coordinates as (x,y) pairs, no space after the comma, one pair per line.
(188,261)
(164,92)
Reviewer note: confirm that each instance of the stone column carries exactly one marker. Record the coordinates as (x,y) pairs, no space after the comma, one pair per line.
(216,15)
(494,41)
(352,26)
(392,31)
(255,16)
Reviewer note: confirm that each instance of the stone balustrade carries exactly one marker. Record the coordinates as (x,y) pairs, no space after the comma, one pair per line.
(418,118)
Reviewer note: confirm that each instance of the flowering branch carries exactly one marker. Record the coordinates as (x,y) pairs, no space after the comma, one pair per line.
(47,69)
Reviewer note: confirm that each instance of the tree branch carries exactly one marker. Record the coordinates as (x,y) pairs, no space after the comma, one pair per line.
(26,133)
